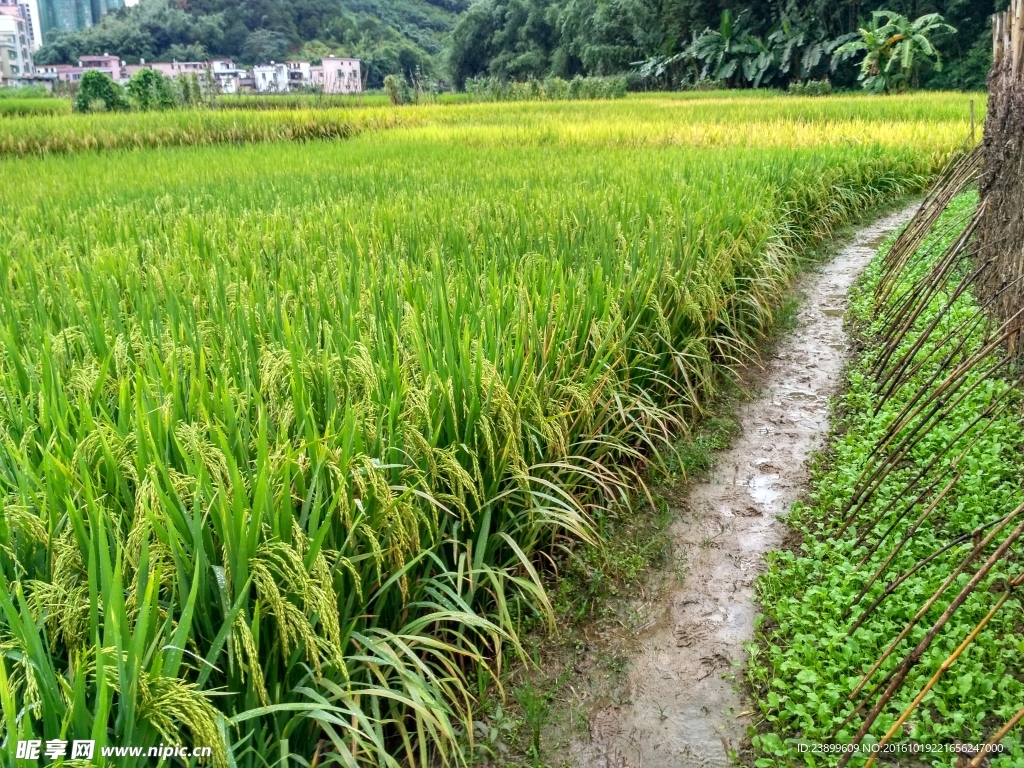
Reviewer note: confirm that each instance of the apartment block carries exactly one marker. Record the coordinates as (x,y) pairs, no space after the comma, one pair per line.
(72,15)
(15,46)
(30,13)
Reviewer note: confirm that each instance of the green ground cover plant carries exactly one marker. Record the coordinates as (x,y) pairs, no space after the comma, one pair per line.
(292,433)
(818,638)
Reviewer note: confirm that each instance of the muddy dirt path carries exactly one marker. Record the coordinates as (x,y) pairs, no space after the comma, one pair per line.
(682,706)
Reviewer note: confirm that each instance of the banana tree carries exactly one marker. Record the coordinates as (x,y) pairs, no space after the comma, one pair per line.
(801,42)
(668,70)
(893,47)
(758,65)
(911,42)
(723,50)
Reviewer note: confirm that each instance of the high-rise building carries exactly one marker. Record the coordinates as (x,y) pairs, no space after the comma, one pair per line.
(29,10)
(72,15)
(15,50)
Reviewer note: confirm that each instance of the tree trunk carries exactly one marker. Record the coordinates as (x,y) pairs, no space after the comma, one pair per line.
(1001,234)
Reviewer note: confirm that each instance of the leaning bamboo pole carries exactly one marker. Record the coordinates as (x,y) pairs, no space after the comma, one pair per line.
(994,240)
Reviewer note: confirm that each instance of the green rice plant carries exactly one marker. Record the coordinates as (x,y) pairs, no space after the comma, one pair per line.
(300,101)
(24,92)
(372,98)
(293,434)
(935,120)
(27,107)
(480,89)
(188,127)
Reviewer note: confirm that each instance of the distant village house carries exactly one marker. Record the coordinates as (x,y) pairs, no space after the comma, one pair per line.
(333,75)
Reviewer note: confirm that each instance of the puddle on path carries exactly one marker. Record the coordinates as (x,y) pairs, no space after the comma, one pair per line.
(680,709)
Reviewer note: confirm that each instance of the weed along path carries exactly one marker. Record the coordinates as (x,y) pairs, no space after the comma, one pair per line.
(681,705)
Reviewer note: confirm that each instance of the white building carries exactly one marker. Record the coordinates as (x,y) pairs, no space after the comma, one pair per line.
(15,46)
(335,75)
(270,78)
(226,76)
(30,13)
(299,75)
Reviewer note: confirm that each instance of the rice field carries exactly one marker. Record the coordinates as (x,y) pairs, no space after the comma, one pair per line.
(294,432)
(31,101)
(321,100)
(300,101)
(24,107)
(730,118)
(63,134)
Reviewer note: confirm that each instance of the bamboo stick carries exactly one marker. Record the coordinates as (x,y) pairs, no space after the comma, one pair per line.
(1010,724)
(970,535)
(938,674)
(978,549)
(915,655)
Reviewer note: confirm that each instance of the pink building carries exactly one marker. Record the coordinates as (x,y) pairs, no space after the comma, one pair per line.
(107,64)
(175,68)
(335,75)
(224,72)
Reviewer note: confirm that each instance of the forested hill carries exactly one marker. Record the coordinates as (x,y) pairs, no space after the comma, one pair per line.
(390,36)
(767,42)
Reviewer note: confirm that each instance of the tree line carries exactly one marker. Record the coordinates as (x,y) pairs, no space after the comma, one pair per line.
(671,43)
(658,43)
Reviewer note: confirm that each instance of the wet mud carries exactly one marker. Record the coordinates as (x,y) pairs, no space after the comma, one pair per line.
(681,705)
